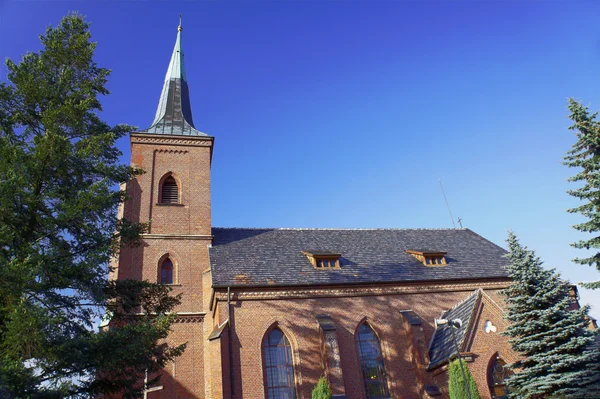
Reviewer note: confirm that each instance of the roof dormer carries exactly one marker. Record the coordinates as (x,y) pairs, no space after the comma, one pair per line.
(323,259)
(429,258)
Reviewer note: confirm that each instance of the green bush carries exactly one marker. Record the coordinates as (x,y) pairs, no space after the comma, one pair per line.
(322,389)
(456,385)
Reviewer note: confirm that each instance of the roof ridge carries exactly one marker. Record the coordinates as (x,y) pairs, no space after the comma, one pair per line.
(475,292)
(345,228)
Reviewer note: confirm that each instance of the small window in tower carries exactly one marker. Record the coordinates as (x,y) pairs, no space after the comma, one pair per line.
(429,257)
(169,193)
(322,259)
(166,272)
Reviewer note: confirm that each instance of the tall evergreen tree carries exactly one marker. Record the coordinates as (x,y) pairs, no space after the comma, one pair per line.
(559,355)
(456,382)
(585,155)
(59,173)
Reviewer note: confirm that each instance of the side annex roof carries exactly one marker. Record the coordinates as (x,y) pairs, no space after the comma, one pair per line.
(441,347)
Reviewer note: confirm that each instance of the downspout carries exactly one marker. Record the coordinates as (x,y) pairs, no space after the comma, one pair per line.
(230,341)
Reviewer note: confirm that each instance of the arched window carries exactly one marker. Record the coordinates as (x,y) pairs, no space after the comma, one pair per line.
(371,363)
(169,193)
(497,375)
(166,271)
(279,368)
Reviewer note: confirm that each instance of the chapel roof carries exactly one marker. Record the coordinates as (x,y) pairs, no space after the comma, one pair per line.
(442,347)
(252,257)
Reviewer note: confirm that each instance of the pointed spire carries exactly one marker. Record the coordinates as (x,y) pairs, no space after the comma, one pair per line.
(174,112)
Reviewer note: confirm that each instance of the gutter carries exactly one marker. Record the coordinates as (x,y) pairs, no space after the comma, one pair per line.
(229,336)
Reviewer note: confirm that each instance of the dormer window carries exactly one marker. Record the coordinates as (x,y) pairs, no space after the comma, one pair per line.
(429,257)
(323,259)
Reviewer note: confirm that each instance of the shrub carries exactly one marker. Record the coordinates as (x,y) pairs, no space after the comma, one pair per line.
(456,385)
(322,390)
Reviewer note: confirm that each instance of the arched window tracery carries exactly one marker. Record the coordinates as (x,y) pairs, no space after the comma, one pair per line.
(371,362)
(166,271)
(498,373)
(278,366)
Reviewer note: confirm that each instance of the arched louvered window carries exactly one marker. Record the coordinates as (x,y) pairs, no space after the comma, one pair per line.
(497,375)
(169,193)
(278,366)
(166,271)
(371,363)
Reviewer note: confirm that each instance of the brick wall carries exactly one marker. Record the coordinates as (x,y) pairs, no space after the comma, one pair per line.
(188,161)
(182,232)
(487,345)
(252,318)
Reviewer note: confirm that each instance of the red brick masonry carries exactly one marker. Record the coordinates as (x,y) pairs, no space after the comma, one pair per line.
(183,232)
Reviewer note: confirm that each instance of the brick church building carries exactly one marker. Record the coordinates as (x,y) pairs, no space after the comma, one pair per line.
(266,312)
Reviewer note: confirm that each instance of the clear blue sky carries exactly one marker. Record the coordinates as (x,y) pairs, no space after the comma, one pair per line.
(344,114)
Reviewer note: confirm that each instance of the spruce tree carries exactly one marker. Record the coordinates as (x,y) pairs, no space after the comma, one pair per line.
(554,339)
(456,384)
(585,155)
(59,195)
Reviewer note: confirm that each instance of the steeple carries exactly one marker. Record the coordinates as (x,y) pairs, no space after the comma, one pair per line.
(174,112)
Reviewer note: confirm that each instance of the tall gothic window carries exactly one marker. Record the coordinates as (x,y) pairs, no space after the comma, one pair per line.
(166,271)
(371,362)
(278,366)
(497,376)
(169,193)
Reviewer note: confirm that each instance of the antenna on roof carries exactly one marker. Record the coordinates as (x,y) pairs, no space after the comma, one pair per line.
(447,205)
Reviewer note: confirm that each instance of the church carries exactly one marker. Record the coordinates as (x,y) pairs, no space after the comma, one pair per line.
(266,312)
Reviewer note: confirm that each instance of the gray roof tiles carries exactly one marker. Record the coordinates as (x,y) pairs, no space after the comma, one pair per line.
(273,257)
(442,346)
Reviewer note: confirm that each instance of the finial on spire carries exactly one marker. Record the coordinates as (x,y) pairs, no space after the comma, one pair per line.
(174,112)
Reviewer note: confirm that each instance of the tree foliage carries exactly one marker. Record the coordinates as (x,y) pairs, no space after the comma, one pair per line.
(322,390)
(58,231)
(456,384)
(585,155)
(549,331)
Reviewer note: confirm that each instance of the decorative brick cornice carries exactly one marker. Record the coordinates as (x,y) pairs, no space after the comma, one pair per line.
(176,236)
(248,294)
(189,141)
(171,151)
(191,317)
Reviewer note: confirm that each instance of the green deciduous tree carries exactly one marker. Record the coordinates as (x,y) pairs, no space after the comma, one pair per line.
(585,155)
(322,390)
(59,169)
(551,334)
(456,384)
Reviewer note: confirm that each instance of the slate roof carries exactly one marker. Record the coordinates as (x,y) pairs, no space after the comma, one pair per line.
(442,346)
(273,257)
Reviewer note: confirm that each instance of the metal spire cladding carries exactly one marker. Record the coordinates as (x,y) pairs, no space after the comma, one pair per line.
(174,112)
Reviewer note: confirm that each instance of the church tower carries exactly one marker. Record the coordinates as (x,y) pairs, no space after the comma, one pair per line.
(174,195)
